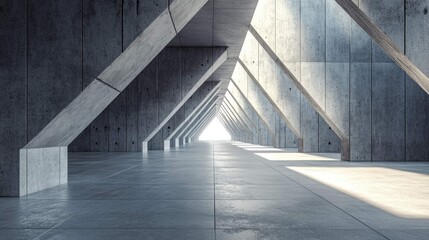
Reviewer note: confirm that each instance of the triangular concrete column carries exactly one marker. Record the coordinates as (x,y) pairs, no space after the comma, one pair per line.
(43,161)
(168,143)
(219,56)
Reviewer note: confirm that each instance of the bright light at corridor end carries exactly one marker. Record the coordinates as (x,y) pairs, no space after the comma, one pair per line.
(214,132)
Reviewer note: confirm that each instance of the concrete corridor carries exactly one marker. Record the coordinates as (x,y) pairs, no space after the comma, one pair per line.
(223,190)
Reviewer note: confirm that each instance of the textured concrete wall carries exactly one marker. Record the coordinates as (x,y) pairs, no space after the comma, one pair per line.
(108,28)
(13,104)
(416,100)
(244,86)
(53,50)
(279,24)
(357,85)
(183,113)
(180,71)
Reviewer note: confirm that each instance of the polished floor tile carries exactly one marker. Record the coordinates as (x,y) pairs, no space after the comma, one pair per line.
(220,190)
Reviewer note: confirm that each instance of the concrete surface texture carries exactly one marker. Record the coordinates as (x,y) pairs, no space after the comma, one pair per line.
(224,190)
(118,76)
(87,105)
(173,92)
(365,95)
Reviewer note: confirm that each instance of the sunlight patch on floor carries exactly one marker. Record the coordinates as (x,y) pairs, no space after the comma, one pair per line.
(401,193)
(288,156)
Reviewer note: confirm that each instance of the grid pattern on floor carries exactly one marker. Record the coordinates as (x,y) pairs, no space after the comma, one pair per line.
(202,191)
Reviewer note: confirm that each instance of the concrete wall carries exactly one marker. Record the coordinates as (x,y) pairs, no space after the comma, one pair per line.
(158,140)
(13,104)
(360,88)
(65,46)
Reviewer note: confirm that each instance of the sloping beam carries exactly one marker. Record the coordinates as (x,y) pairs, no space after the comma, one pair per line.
(243,132)
(345,143)
(260,112)
(231,112)
(207,114)
(203,125)
(71,121)
(216,64)
(385,43)
(237,111)
(235,121)
(195,118)
(275,105)
(237,131)
(233,102)
(212,93)
(251,115)
(43,161)
(226,126)
(245,103)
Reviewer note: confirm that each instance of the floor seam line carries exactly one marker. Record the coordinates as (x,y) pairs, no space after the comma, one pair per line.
(324,199)
(214,191)
(54,227)
(120,172)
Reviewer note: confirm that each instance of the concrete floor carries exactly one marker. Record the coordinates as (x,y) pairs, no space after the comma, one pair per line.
(225,191)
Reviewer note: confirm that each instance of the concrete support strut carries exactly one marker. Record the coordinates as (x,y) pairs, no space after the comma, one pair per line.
(345,143)
(211,94)
(195,120)
(207,114)
(234,88)
(234,115)
(43,161)
(193,135)
(236,135)
(216,64)
(275,106)
(385,43)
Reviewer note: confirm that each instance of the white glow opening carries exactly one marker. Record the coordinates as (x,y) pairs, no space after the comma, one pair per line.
(214,132)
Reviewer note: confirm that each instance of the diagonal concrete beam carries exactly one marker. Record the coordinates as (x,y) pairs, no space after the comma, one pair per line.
(233,102)
(203,125)
(207,114)
(216,64)
(240,128)
(295,129)
(239,132)
(194,118)
(231,112)
(70,122)
(250,113)
(345,143)
(236,111)
(43,161)
(385,43)
(246,125)
(212,93)
(268,122)
(227,126)
(245,103)
(233,120)
(197,119)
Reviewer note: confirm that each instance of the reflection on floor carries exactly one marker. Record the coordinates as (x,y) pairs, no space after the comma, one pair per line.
(224,191)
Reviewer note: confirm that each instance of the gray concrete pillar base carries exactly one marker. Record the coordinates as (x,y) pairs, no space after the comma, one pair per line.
(300,145)
(345,150)
(42,168)
(145,146)
(166,145)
